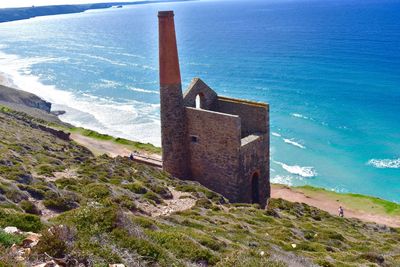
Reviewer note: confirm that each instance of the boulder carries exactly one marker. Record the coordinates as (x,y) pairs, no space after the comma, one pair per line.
(12,230)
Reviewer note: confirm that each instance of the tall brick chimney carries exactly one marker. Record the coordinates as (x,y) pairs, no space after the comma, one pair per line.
(173,120)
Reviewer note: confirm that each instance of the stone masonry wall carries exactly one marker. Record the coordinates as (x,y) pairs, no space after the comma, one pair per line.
(254,157)
(214,157)
(175,151)
(253,115)
(208,97)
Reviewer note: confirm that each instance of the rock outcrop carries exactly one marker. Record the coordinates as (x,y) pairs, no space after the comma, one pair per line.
(15,96)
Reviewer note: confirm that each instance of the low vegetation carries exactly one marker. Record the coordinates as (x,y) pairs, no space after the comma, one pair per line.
(355,201)
(132,145)
(98,210)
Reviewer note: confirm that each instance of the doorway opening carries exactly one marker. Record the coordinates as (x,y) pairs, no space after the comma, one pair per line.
(255,197)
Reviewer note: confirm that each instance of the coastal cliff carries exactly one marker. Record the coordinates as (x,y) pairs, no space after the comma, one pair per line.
(12,14)
(14,96)
(99,210)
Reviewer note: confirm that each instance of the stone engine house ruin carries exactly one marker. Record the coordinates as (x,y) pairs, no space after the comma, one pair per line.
(221,142)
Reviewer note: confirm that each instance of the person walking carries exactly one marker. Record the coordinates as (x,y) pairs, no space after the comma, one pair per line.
(341,211)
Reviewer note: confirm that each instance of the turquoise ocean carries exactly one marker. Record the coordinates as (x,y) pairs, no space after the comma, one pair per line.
(330,71)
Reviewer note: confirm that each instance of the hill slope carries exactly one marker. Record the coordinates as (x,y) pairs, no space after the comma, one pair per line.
(113,210)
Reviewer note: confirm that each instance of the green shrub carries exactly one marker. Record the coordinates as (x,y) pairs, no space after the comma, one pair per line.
(211,243)
(136,188)
(373,257)
(3,189)
(48,170)
(15,195)
(144,222)
(58,202)
(67,183)
(163,191)
(29,207)
(152,197)
(91,219)
(97,191)
(125,202)
(183,247)
(143,247)
(34,192)
(204,203)
(24,222)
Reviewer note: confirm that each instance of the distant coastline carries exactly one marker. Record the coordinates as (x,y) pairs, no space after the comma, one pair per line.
(14,14)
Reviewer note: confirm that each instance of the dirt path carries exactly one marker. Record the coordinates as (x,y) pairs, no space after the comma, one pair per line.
(331,205)
(180,201)
(99,147)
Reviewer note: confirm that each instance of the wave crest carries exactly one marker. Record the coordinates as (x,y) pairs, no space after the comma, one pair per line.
(385,163)
(291,142)
(297,115)
(306,172)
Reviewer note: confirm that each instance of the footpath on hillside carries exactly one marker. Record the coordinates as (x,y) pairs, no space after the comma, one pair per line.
(363,209)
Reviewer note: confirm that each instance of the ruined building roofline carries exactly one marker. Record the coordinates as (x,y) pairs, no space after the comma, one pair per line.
(214,112)
(242,101)
(197,80)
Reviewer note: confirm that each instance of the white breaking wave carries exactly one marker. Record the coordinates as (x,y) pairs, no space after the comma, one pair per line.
(297,115)
(385,163)
(276,134)
(298,170)
(112,62)
(282,179)
(143,90)
(139,122)
(290,141)
(108,84)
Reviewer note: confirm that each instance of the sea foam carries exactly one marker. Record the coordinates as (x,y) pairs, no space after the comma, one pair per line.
(306,172)
(294,143)
(385,163)
(297,115)
(276,134)
(282,179)
(140,121)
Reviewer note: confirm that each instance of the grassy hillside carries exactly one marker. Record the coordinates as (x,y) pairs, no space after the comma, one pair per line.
(101,210)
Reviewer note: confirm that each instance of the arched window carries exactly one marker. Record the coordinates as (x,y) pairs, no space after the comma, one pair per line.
(255,197)
(200,101)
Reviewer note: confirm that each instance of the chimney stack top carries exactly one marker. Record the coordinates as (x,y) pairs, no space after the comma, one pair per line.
(165,14)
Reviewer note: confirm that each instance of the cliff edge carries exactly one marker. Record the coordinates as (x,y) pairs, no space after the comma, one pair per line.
(14,96)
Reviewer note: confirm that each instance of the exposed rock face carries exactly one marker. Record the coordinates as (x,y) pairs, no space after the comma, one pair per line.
(15,96)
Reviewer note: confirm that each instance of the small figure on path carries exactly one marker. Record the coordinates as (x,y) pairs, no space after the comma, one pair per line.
(341,211)
(131,156)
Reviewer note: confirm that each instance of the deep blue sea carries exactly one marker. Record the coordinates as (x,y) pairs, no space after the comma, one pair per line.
(330,71)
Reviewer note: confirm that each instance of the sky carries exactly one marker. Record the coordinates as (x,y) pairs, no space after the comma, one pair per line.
(26,3)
